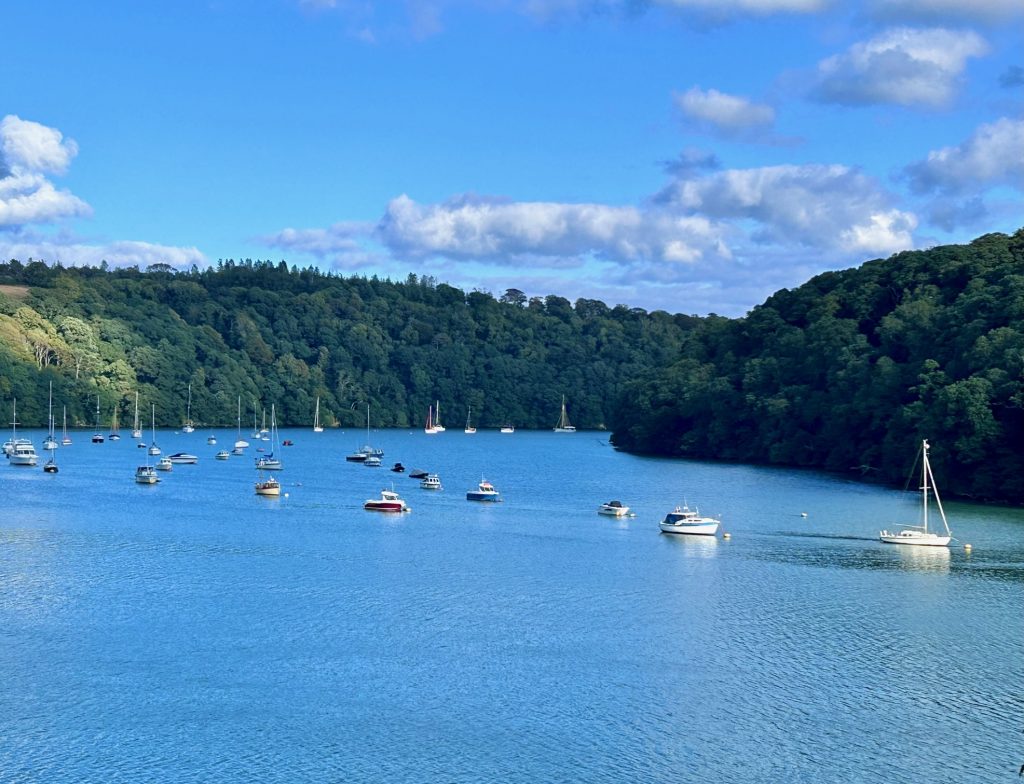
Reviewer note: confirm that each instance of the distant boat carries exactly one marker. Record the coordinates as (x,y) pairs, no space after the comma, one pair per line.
(388,502)
(508,429)
(317,427)
(417,473)
(438,427)
(485,492)
(50,442)
(153,448)
(372,461)
(211,440)
(21,451)
(136,427)
(189,426)
(613,509)
(269,462)
(222,455)
(430,428)
(360,455)
(564,425)
(115,431)
(65,439)
(683,520)
(146,475)
(398,468)
(241,443)
(164,464)
(268,486)
(469,428)
(97,437)
(431,482)
(919,534)
(183,458)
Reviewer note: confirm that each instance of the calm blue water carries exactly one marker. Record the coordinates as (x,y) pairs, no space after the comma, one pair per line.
(194,632)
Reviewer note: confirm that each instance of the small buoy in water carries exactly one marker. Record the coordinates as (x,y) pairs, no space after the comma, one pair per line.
(967,547)
(727,535)
(286,495)
(803,514)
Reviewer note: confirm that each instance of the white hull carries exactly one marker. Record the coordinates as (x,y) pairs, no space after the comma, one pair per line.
(699,529)
(918,538)
(613,511)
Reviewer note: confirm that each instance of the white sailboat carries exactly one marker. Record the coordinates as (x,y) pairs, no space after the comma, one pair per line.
(438,427)
(919,534)
(564,426)
(469,427)
(22,452)
(317,427)
(136,428)
(115,431)
(270,462)
(430,428)
(50,443)
(189,426)
(97,437)
(240,443)
(65,438)
(153,448)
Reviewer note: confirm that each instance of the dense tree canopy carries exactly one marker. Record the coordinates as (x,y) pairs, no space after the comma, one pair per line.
(272,334)
(852,369)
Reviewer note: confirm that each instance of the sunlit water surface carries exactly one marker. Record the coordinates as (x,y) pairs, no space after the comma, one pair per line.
(194,632)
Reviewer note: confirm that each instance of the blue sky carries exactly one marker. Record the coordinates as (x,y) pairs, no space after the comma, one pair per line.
(688,155)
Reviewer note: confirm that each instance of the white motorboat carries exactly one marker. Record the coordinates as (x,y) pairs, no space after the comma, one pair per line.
(164,464)
(431,482)
(222,455)
(183,458)
(508,429)
(919,534)
(146,475)
(23,454)
(683,520)
(372,461)
(613,509)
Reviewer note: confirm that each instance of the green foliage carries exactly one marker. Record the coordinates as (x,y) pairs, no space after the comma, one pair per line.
(848,371)
(267,334)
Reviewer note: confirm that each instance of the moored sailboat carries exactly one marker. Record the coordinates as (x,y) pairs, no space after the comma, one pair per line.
(564,425)
(919,534)
(189,426)
(317,427)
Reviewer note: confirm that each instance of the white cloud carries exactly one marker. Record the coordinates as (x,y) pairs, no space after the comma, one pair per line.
(993,155)
(517,232)
(29,146)
(901,66)
(72,251)
(28,152)
(729,115)
(827,207)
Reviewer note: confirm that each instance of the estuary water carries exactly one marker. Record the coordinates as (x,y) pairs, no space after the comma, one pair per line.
(194,632)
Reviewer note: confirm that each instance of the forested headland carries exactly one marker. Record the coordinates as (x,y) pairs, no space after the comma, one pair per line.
(847,372)
(271,334)
(851,370)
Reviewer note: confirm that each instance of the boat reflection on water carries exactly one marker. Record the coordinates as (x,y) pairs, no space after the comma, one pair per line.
(924,559)
(695,546)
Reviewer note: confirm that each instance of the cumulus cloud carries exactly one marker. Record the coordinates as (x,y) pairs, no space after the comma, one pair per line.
(993,155)
(28,152)
(723,114)
(957,178)
(821,206)
(74,251)
(472,227)
(902,66)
